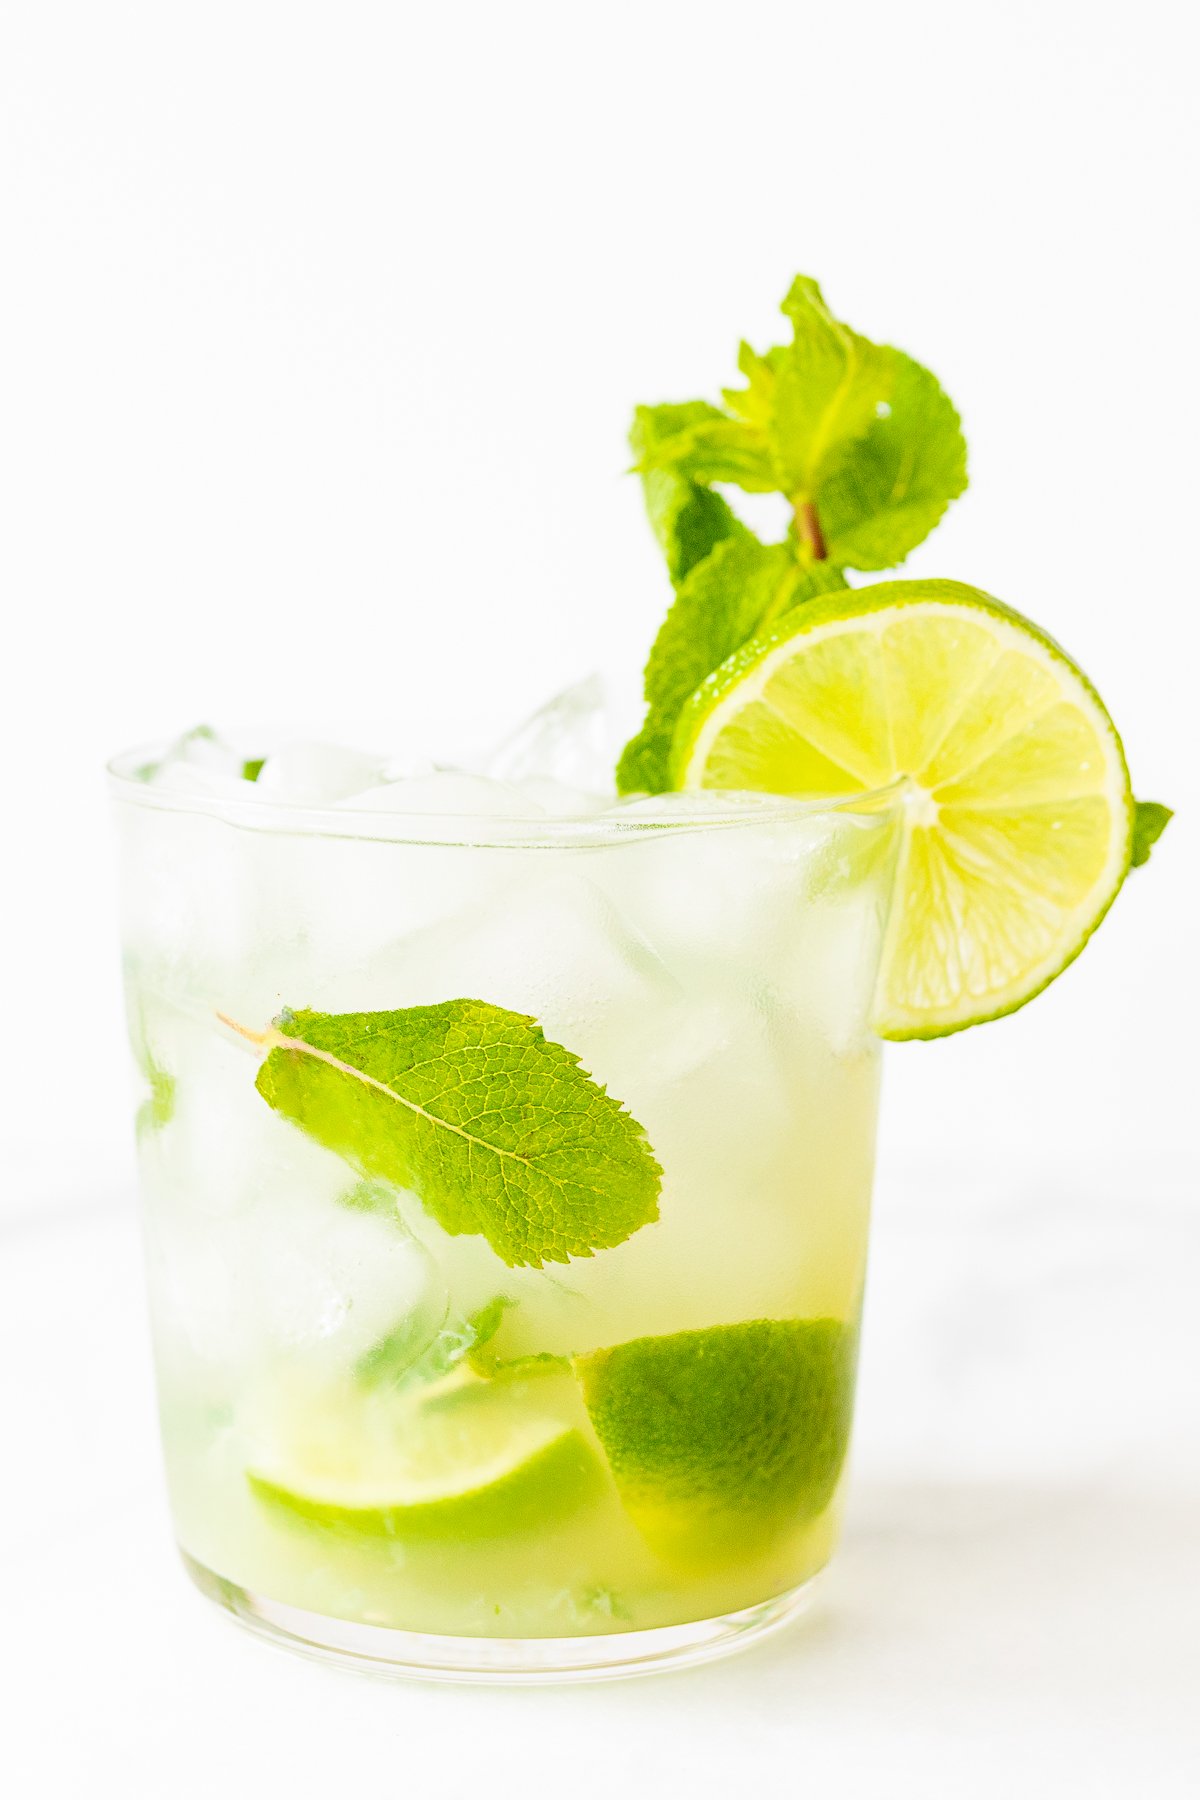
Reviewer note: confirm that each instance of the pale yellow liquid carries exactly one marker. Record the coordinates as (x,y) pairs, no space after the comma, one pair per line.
(735,1034)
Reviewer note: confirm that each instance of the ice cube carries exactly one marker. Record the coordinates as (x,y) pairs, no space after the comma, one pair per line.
(446,797)
(823,973)
(338,1278)
(557,800)
(186,779)
(553,946)
(288,1277)
(703,1075)
(314,774)
(260,1240)
(201,748)
(200,763)
(330,903)
(706,894)
(572,739)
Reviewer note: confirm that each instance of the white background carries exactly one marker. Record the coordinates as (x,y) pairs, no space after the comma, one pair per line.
(320,327)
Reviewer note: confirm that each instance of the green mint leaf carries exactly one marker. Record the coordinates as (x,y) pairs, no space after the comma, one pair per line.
(487,1321)
(399,1352)
(1150,820)
(252,768)
(829,386)
(885,498)
(687,519)
(755,403)
(421,1350)
(862,440)
(483,1357)
(495,1128)
(717,607)
(722,603)
(717,449)
(644,766)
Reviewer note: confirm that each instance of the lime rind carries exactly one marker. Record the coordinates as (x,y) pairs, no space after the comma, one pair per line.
(740,681)
(722,1438)
(550,1481)
(467,1463)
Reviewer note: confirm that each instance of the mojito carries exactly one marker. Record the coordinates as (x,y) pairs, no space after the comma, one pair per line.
(506,1145)
(506,1182)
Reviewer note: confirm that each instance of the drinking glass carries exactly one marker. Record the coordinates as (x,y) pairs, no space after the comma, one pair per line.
(390,1440)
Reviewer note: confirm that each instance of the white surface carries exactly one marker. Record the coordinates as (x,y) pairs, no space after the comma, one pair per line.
(1014,1610)
(319,332)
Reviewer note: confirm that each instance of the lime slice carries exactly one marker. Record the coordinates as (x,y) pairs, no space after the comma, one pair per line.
(719,1438)
(1017,814)
(466,1463)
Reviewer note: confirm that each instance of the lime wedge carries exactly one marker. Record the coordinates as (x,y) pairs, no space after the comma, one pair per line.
(719,1438)
(1016,811)
(467,1463)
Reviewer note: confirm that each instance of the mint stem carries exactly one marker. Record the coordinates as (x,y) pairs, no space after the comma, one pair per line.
(808,530)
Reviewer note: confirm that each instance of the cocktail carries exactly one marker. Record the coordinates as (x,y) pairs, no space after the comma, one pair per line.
(454,1338)
(506,1144)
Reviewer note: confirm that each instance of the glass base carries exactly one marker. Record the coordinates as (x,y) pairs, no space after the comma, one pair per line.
(421,1656)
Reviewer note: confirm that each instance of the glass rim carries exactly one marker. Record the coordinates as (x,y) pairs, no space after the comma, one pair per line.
(506,831)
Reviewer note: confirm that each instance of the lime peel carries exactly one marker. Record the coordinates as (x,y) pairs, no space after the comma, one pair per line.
(721,1438)
(471,1466)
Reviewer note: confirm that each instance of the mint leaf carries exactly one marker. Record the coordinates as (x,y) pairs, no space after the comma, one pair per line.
(482,1356)
(887,496)
(718,449)
(862,440)
(829,386)
(398,1353)
(716,608)
(687,519)
(252,768)
(487,1321)
(1150,820)
(723,602)
(804,405)
(423,1348)
(755,403)
(496,1129)
(644,766)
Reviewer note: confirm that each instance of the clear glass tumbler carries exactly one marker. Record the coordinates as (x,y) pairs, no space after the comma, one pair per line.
(505,1195)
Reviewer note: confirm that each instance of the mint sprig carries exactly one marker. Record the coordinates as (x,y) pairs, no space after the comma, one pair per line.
(860,439)
(863,443)
(497,1130)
